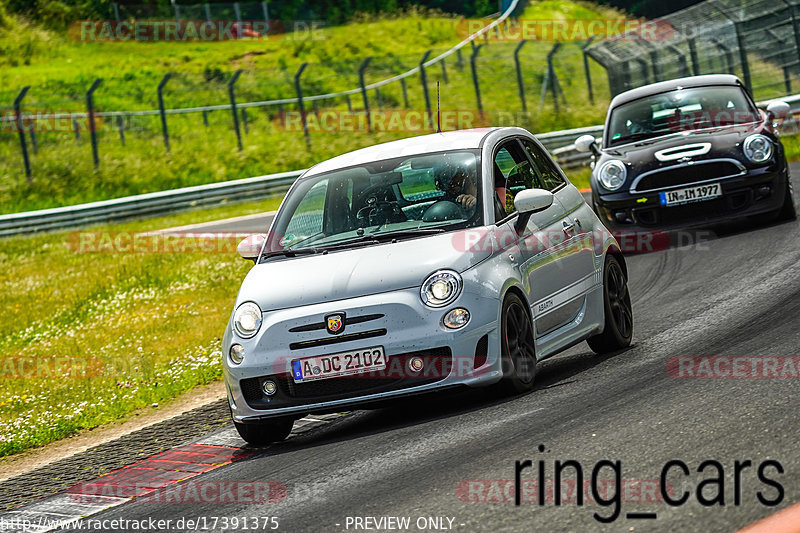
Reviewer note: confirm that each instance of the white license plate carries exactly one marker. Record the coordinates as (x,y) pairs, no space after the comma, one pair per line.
(338,364)
(691,194)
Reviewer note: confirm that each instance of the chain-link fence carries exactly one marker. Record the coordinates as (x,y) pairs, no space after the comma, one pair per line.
(757,40)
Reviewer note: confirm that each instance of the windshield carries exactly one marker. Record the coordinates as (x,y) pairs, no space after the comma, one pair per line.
(680,110)
(394,198)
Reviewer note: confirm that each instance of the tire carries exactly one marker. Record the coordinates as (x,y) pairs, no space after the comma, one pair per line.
(517,348)
(263,433)
(618,330)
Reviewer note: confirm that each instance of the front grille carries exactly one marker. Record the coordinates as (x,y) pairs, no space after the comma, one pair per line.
(348,321)
(674,176)
(339,338)
(438,363)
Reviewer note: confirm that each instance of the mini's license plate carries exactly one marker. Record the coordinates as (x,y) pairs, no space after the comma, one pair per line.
(338,364)
(691,194)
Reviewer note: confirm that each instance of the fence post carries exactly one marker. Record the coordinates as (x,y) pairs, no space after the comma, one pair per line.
(365,97)
(92,126)
(232,95)
(22,144)
(693,56)
(520,85)
(728,55)
(424,78)
(121,128)
(349,103)
(460,60)
(238,14)
(551,81)
(299,90)
(475,82)
(444,71)
(405,91)
(208,12)
(177,9)
(795,26)
(205,118)
(115,6)
(586,68)
(77,129)
(787,77)
(737,28)
(162,111)
(378,98)
(32,131)
(643,67)
(684,65)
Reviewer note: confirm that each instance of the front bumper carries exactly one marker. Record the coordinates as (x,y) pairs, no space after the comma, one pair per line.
(397,321)
(759,191)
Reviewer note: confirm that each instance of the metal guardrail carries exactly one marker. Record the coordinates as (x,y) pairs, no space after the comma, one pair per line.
(559,143)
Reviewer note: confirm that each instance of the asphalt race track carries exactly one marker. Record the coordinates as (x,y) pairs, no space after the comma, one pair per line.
(736,293)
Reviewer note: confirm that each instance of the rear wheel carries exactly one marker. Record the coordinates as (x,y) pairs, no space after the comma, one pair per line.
(262,433)
(517,349)
(618,329)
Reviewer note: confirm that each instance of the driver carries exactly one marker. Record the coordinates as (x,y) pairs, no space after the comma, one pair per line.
(454,182)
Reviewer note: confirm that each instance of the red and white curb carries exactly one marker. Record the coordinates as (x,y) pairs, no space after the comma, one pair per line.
(139,479)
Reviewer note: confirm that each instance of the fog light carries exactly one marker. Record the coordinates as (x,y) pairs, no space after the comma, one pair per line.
(236,353)
(457,318)
(269,387)
(415,364)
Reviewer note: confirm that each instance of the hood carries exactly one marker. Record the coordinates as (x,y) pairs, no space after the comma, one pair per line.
(304,280)
(725,143)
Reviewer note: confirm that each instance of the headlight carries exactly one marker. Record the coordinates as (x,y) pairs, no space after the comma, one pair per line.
(441,288)
(612,174)
(757,148)
(247,320)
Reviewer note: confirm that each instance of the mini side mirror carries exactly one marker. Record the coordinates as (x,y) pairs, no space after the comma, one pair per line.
(778,109)
(586,143)
(250,247)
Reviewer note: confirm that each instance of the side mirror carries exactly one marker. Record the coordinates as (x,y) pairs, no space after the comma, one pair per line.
(530,201)
(778,109)
(586,143)
(251,246)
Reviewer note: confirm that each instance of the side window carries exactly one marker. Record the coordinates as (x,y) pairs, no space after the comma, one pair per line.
(549,173)
(512,173)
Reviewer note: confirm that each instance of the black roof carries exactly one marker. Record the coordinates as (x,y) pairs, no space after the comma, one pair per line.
(671,85)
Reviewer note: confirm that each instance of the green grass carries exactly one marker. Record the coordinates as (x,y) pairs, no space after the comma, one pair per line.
(86,338)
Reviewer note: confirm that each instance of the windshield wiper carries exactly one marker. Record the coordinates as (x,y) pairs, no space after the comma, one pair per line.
(370,238)
(288,252)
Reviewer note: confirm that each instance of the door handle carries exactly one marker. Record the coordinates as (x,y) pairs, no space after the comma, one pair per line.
(568,226)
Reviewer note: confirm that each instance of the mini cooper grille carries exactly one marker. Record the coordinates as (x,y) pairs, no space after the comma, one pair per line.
(674,176)
(335,340)
(438,363)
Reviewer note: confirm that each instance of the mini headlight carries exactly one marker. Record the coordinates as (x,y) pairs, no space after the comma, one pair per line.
(247,320)
(612,174)
(757,148)
(236,353)
(441,288)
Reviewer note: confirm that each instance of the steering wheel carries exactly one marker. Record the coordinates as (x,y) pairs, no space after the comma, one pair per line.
(377,212)
(442,210)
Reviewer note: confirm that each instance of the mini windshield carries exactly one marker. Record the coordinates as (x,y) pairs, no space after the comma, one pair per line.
(689,109)
(399,198)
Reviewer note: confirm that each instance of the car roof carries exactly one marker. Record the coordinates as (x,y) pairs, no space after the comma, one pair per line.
(423,144)
(671,85)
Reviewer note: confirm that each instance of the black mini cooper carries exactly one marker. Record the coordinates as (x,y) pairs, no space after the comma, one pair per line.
(688,152)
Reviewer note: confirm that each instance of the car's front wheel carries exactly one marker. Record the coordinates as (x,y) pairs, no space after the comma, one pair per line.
(517,349)
(618,330)
(266,432)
